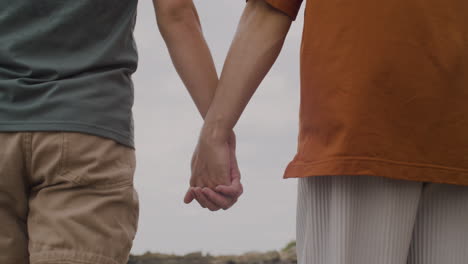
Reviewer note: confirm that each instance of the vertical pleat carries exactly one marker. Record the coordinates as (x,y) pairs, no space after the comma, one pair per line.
(355,219)
(441,229)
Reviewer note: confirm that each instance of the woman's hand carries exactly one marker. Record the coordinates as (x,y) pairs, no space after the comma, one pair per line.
(221,196)
(211,160)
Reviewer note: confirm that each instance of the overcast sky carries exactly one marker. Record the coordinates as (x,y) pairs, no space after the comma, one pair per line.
(167,126)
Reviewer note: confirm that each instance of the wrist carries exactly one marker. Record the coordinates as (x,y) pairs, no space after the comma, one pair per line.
(215,131)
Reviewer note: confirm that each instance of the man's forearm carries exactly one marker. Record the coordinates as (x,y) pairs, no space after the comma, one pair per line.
(256,46)
(190,54)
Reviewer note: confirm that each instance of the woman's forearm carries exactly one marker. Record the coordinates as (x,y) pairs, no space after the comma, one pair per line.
(190,54)
(256,46)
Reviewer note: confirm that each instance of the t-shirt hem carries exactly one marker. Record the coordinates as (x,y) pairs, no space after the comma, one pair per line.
(96,130)
(378,167)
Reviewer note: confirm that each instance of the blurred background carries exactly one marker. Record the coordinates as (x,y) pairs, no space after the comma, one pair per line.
(167,126)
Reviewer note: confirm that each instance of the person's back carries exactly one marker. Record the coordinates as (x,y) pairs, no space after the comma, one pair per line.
(66,66)
(67,156)
(384,90)
(66,131)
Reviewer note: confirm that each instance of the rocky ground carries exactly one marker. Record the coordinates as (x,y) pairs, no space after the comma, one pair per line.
(285,256)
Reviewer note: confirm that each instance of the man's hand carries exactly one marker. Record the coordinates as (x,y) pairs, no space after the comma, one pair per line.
(223,196)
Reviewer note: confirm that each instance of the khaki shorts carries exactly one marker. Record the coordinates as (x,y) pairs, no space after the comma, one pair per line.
(66,198)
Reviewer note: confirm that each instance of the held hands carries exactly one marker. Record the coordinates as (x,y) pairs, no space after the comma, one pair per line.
(215,181)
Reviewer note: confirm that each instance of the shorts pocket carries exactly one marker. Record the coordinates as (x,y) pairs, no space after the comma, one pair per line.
(95,161)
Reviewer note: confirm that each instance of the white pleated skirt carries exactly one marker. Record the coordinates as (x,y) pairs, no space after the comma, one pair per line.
(377,220)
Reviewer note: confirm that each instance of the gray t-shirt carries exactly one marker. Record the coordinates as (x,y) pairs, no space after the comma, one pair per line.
(66,65)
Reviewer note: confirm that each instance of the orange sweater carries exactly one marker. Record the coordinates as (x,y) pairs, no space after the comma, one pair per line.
(384,89)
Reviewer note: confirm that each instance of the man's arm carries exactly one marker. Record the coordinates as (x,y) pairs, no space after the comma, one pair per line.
(180,27)
(258,42)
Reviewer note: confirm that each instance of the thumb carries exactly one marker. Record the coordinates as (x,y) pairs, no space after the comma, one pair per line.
(188,197)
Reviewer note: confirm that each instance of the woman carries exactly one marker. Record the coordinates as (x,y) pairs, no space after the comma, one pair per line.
(382,146)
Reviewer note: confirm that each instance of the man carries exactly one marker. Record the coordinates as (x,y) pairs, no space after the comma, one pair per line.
(67,154)
(382,156)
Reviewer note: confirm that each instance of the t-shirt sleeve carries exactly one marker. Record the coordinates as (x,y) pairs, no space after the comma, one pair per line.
(289,7)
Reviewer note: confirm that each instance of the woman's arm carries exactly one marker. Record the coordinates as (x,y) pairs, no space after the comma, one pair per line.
(258,42)
(256,46)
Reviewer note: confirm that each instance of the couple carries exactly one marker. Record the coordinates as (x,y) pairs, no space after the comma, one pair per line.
(382,152)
